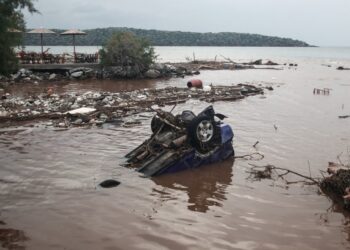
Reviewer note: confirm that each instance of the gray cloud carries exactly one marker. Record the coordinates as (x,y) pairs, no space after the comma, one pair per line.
(320,22)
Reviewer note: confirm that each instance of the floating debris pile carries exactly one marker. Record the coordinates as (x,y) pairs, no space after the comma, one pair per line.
(228,64)
(337,185)
(107,106)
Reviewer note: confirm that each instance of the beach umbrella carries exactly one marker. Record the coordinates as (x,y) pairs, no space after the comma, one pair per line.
(73,32)
(41,31)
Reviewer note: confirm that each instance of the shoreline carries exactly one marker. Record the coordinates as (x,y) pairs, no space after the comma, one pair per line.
(35,73)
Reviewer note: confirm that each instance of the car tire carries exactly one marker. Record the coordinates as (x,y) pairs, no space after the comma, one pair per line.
(203,133)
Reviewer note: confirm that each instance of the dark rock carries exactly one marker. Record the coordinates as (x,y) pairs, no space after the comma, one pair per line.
(77,121)
(99,74)
(77,74)
(16,77)
(241,66)
(36,77)
(336,186)
(114,72)
(109,183)
(169,68)
(159,67)
(257,62)
(132,71)
(25,72)
(271,63)
(342,68)
(52,77)
(152,73)
(83,69)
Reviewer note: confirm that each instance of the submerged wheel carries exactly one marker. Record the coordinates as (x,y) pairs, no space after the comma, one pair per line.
(203,133)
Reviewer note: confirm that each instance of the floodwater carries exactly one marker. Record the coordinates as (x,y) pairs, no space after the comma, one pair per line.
(50,199)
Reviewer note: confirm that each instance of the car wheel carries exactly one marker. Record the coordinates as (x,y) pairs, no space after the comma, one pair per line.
(203,133)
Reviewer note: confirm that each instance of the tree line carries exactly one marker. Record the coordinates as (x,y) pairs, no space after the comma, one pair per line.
(98,37)
(11,23)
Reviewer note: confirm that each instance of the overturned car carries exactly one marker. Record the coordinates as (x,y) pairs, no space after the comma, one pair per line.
(183,141)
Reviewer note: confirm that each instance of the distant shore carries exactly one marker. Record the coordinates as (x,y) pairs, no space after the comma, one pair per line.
(98,37)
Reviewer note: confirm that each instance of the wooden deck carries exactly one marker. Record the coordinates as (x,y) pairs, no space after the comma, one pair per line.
(59,67)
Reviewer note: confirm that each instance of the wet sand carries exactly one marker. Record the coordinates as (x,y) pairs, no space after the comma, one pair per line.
(49,177)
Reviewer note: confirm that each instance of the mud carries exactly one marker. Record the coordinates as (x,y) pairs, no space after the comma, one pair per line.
(12,239)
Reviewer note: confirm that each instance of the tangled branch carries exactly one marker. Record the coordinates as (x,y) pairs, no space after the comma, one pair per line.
(265,172)
(259,156)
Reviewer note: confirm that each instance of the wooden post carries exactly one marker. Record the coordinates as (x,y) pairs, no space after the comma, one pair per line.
(42,48)
(75,56)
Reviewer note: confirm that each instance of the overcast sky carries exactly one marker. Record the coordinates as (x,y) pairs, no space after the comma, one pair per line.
(318,22)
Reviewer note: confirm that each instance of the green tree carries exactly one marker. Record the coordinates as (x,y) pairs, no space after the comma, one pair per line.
(11,19)
(126,50)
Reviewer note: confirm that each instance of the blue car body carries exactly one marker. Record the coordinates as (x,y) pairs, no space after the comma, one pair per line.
(192,158)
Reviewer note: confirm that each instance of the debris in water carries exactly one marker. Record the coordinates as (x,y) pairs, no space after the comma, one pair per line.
(337,185)
(96,108)
(265,173)
(195,83)
(109,183)
(325,91)
(182,141)
(342,68)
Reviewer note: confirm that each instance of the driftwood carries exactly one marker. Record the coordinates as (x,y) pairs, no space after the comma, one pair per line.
(123,103)
(253,156)
(267,171)
(228,59)
(336,185)
(255,144)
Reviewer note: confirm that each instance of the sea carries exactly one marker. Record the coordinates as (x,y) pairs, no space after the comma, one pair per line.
(49,193)
(184,53)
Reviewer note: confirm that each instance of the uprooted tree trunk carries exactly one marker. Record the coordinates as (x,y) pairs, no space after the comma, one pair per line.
(337,186)
(275,173)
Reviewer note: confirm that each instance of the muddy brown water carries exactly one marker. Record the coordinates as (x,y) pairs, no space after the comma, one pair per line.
(49,178)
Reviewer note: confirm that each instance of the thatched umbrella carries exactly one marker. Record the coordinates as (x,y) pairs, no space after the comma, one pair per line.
(41,31)
(73,32)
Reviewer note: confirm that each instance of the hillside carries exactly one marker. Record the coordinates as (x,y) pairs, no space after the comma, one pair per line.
(168,38)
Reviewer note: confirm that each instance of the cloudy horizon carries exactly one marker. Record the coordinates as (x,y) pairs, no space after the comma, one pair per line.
(317,22)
